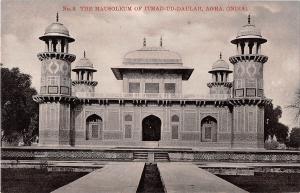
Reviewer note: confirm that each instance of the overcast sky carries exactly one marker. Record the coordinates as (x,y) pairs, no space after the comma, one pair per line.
(197,36)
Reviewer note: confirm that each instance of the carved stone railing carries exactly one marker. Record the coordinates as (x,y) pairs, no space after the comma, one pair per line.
(149,96)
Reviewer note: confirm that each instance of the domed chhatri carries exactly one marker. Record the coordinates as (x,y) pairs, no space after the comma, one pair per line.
(152,55)
(84,85)
(56,29)
(220,65)
(249,31)
(84,64)
(220,83)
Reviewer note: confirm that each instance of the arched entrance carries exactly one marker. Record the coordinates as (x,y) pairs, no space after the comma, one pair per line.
(209,129)
(94,127)
(151,128)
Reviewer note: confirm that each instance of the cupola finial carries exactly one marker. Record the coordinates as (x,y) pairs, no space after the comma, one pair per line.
(161,41)
(220,55)
(144,43)
(249,19)
(57,17)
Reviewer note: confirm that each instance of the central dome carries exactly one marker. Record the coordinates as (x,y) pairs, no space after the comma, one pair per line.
(152,55)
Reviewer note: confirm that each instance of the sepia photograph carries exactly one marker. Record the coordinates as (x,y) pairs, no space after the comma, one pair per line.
(150,96)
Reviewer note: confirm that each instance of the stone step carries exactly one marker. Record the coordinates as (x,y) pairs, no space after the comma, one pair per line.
(161,157)
(140,156)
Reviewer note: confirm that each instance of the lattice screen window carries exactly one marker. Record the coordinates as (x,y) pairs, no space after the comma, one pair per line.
(127,131)
(207,133)
(151,87)
(95,131)
(170,87)
(175,129)
(134,87)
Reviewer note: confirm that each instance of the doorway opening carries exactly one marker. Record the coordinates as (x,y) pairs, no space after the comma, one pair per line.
(151,128)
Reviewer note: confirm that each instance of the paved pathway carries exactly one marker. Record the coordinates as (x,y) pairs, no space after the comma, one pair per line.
(188,178)
(115,177)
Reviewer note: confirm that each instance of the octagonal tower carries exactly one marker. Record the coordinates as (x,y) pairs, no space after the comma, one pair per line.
(55,93)
(248,94)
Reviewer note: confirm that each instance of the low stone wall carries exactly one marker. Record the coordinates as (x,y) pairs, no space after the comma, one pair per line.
(65,154)
(115,154)
(236,156)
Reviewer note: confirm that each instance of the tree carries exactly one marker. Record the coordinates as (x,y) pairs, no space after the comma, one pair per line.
(272,124)
(296,105)
(295,137)
(19,111)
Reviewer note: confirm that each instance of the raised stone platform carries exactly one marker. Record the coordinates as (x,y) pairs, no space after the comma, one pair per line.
(187,177)
(127,154)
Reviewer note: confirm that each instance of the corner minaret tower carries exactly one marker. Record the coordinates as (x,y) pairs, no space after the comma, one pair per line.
(248,93)
(220,85)
(84,85)
(55,93)
(248,63)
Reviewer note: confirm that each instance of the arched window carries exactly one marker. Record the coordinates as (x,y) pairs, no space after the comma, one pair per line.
(128,118)
(209,129)
(175,126)
(94,127)
(175,118)
(128,125)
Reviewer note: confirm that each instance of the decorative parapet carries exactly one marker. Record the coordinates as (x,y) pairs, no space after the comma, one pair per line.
(151,61)
(53,98)
(86,82)
(248,57)
(56,55)
(152,96)
(226,84)
(249,101)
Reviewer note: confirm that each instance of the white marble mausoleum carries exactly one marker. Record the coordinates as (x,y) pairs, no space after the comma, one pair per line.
(152,107)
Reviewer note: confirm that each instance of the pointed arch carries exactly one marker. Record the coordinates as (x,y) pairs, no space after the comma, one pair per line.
(94,127)
(175,125)
(209,127)
(128,117)
(175,118)
(151,128)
